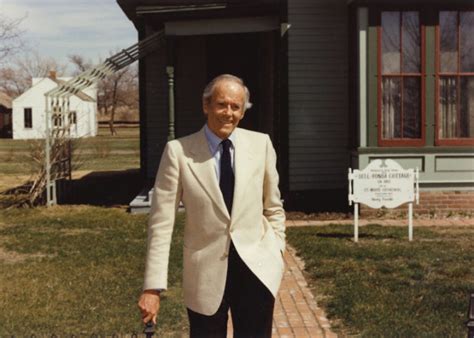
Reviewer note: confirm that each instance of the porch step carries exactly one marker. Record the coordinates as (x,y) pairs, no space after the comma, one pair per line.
(141,204)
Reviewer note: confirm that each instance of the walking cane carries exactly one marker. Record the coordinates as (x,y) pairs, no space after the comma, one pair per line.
(149,330)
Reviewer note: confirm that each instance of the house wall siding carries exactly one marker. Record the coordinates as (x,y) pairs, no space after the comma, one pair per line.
(318,94)
(156,106)
(34,98)
(190,70)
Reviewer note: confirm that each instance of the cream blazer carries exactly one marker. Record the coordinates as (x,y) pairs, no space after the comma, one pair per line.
(257,226)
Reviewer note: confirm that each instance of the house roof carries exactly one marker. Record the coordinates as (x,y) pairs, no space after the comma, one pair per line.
(81,95)
(195,8)
(5,100)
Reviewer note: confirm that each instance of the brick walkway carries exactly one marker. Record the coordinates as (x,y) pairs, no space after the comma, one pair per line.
(296,312)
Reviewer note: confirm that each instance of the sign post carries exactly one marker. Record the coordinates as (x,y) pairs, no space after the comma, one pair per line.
(383,183)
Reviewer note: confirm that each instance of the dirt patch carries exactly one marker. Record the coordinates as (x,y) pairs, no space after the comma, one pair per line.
(12,181)
(331,216)
(74,232)
(318,216)
(77,174)
(11,257)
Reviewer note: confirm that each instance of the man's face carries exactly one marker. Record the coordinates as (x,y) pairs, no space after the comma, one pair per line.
(225,108)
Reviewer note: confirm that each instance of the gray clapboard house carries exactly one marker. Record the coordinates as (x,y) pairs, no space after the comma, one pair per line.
(335,83)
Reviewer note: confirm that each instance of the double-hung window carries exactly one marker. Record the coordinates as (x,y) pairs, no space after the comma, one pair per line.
(455,78)
(28,118)
(72,117)
(400,79)
(57,120)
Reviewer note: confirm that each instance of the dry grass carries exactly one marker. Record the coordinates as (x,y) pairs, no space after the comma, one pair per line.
(11,181)
(101,153)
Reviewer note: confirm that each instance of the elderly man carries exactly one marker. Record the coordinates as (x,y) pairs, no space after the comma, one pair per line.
(234,236)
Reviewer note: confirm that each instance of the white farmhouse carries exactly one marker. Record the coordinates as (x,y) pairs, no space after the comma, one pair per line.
(28,111)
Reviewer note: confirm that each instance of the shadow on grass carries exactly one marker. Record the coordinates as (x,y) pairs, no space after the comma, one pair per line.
(105,188)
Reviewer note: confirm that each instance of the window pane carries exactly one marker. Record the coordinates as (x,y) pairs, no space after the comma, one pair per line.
(467,41)
(72,117)
(448,41)
(467,107)
(391,108)
(447,107)
(411,42)
(390,42)
(28,118)
(411,107)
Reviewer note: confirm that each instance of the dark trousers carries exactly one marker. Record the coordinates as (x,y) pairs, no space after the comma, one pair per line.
(250,302)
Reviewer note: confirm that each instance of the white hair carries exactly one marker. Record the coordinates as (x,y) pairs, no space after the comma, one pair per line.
(209,90)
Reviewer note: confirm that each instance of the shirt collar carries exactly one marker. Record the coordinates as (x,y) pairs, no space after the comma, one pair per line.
(214,141)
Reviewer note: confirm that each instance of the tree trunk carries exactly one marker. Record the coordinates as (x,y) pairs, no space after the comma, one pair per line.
(113,131)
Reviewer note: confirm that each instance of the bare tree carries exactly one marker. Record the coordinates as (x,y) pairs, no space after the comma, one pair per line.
(17,77)
(80,63)
(10,36)
(64,157)
(118,90)
(11,83)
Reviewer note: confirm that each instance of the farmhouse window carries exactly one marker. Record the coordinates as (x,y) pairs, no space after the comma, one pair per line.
(400,79)
(72,117)
(28,117)
(455,78)
(57,120)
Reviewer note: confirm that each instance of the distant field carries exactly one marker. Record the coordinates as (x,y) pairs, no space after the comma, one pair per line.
(101,153)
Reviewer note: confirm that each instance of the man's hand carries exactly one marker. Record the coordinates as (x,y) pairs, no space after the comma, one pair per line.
(149,305)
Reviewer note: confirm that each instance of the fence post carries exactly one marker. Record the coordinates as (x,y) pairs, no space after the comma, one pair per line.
(470,318)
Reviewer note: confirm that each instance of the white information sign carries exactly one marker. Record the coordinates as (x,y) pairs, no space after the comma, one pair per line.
(383,183)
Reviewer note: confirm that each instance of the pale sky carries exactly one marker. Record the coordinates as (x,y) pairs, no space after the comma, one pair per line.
(59,28)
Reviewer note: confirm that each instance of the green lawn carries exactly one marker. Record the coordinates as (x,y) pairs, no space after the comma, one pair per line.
(79,270)
(385,286)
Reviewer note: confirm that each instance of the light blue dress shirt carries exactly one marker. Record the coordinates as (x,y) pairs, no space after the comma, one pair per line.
(215,147)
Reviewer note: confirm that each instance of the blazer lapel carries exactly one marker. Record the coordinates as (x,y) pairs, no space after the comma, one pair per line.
(242,165)
(203,167)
